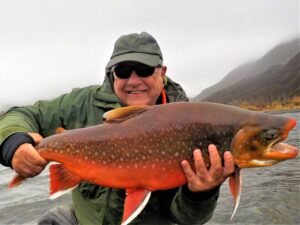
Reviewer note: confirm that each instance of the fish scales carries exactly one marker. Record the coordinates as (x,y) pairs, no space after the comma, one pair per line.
(145,146)
(140,148)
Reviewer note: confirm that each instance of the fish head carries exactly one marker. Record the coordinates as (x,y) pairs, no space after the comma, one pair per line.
(260,144)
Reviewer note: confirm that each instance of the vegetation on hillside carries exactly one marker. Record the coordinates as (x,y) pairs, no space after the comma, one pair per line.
(293,103)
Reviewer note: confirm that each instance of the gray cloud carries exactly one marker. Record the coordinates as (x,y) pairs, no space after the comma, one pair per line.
(49,47)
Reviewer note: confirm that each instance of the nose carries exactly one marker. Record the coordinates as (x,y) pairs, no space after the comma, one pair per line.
(134,79)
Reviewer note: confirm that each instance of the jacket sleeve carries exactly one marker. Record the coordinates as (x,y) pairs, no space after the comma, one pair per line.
(44,117)
(193,208)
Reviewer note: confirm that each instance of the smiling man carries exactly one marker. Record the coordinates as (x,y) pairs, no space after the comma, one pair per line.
(138,84)
(135,75)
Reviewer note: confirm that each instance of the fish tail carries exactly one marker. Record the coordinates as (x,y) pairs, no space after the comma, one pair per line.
(16,181)
(61,180)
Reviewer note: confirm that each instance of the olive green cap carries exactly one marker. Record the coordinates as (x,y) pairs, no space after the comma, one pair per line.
(142,48)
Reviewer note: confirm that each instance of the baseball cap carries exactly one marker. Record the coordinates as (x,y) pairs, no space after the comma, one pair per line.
(142,48)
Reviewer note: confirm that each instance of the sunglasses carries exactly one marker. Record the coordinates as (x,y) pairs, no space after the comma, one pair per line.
(124,71)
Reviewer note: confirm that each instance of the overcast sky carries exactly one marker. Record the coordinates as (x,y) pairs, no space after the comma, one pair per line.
(49,47)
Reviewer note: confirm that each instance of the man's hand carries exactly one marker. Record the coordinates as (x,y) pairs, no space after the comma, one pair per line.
(204,179)
(26,161)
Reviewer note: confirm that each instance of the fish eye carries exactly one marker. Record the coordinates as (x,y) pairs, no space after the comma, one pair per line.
(271,134)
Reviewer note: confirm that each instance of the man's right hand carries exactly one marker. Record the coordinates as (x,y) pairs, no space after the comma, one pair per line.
(26,161)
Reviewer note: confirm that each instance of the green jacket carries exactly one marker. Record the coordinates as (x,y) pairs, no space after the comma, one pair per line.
(101,205)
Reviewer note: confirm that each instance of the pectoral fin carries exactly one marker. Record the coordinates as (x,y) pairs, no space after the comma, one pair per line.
(235,186)
(135,202)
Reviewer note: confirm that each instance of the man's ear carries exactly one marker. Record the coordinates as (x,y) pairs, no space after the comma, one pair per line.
(163,71)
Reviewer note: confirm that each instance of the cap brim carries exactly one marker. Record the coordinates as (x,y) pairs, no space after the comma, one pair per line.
(148,59)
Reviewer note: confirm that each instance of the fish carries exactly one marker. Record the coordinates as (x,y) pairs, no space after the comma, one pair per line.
(140,148)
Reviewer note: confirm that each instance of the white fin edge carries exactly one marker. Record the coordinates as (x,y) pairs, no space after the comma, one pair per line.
(138,210)
(236,204)
(61,193)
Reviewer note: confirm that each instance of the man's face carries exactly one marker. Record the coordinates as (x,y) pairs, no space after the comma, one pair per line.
(137,90)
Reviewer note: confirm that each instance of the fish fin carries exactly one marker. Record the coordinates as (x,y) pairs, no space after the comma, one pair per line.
(61,180)
(120,114)
(135,202)
(16,181)
(60,130)
(235,186)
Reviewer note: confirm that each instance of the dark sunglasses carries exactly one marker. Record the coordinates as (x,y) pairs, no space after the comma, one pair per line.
(124,71)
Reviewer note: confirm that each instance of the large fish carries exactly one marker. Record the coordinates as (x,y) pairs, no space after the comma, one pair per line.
(140,148)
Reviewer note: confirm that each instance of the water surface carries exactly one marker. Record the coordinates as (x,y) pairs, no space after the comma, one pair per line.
(270,195)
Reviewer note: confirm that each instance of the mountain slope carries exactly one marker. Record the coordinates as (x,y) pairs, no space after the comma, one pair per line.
(279,82)
(280,54)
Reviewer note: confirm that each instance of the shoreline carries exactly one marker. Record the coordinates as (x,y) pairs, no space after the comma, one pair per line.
(280,111)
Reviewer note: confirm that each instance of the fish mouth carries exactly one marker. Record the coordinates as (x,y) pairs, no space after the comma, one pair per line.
(281,151)
(278,150)
(275,152)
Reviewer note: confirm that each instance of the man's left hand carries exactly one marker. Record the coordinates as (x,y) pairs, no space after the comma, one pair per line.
(204,179)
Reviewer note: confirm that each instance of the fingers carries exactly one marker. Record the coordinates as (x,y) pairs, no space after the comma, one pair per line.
(203,179)
(192,178)
(200,167)
(34,157)
(27,162)
(216,168)
(189,173)
(37,138)
(228,164)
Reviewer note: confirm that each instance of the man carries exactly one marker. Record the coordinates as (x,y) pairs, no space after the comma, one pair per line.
(135,75)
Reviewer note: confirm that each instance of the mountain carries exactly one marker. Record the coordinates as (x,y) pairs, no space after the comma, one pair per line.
(279,82)
(280,54)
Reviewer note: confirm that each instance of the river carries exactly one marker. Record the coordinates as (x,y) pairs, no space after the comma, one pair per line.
(270,195)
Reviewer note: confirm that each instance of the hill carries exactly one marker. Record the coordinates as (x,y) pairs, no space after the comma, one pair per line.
(280,54)
(278,83)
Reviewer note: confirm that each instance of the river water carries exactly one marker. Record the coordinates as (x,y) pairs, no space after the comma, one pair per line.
(270,195)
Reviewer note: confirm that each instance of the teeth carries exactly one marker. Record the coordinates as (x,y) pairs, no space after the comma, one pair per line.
(135,92)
